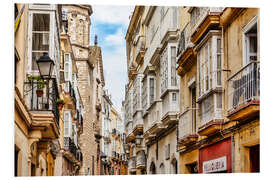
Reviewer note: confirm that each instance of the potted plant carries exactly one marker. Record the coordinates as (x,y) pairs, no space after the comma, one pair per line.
(60,103)
(40,84)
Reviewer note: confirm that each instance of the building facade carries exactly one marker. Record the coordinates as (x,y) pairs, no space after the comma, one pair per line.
(152,100)
(90,82)
(203,117)
(36,114)
(218,131)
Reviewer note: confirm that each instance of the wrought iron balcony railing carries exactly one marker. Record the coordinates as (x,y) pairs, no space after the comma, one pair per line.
(70,145)
(69,89)
(184,40)
(198,14)
(244,85)
(42,96)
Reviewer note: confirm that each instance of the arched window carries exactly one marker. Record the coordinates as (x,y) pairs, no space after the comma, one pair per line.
(174,166)
(152,168)
(162,169)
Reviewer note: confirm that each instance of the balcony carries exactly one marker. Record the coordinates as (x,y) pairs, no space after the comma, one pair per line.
(107,136)
(185,54)
(70,91)
(71,151)
(137,124)
(211,119)
(244,92)
(153,124)
(130,136)
(132,164)
(140,49)
(80,122)
(203,19)
(140,160)
(187,128)
(42,106)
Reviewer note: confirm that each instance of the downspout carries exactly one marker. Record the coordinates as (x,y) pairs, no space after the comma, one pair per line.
(233,148)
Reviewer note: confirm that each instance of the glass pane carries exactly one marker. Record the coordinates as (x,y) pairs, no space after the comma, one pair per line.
(218,45)
(219,78)
(219,101)
(41,22)
(253,44)
(40,41)
(36,56)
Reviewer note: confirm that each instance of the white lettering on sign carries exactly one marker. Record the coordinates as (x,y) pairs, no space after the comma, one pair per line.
(215,165)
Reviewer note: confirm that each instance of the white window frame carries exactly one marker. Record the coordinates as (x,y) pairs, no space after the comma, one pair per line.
(67,123)
(149,89)
(244,38)
(69,69)
(211,43)
(30,35)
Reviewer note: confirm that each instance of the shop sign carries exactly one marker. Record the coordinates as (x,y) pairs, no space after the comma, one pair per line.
(215,165)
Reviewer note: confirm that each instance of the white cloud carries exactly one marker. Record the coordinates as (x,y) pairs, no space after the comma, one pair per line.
(116,39)
(112,14)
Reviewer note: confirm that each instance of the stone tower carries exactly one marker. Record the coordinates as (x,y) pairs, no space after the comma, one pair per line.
(78,27)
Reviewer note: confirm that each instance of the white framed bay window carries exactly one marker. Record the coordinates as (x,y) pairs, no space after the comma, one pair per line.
(168,68)
(209,63)
(67,123)
(148,91)
(210,77)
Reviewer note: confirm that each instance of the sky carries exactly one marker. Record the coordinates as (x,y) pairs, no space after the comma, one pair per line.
(110,23)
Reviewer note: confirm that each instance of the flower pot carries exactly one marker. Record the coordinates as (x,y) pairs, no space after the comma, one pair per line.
(60,106)
(39,92)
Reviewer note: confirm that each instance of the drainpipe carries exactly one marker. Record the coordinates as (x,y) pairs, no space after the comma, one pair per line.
(233,148)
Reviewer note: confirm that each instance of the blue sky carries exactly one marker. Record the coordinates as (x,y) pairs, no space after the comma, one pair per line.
(110,23)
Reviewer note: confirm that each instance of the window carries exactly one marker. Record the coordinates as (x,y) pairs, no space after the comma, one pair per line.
(168,68)
(164,71)
(173,66)
(167,152)
(40,36)
(152,90)
(250,42)
(67,123)
(144,94)
(67,67)
(174,97)
(210,65)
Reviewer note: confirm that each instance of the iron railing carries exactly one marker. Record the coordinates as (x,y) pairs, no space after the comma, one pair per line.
(70,145)
(187,123)
(69,89)
(198,14)
(184,40)
(244,85)
(45,101)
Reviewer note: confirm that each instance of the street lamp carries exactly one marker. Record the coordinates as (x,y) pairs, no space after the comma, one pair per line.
(45,65)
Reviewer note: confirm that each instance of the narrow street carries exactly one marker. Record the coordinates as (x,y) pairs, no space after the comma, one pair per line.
(153,90)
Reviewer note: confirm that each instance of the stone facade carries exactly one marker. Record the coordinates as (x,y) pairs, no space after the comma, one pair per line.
(90,82)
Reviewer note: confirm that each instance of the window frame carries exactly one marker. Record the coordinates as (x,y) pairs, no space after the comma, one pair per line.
(245,29)
(30,35)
